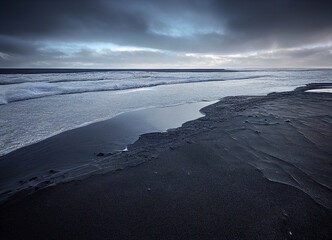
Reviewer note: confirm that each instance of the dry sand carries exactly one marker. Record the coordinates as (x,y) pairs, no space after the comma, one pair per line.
(252,168)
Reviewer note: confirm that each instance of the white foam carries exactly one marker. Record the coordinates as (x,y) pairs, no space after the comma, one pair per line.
(28,86)
(322,90)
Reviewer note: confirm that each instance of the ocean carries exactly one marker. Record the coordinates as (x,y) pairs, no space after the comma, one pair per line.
(36,104)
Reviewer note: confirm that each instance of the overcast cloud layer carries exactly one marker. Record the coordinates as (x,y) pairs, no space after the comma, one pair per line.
(165,34)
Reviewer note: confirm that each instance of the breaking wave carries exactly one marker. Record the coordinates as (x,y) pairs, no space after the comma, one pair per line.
(20,87)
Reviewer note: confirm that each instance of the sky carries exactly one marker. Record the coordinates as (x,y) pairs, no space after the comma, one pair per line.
(166,34)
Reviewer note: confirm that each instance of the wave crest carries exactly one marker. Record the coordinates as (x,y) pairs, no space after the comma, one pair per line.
(50,86)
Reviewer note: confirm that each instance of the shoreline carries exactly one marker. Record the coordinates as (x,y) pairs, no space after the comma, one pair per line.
(255,167)
(56,158)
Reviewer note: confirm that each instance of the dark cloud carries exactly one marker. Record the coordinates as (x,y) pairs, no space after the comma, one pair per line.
(286,23)
(12,45)
(211,26)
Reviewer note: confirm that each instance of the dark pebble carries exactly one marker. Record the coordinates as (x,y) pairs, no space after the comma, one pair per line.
(154,156)
(9,191)
(21,182)
(33,178)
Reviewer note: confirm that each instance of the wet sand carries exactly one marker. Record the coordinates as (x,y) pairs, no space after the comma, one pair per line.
(52,159)
(252,168)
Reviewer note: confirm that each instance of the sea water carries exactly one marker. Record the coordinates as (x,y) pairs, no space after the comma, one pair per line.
(36,106)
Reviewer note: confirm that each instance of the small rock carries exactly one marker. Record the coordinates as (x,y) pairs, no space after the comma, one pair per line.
(154,156)
(287,120)
(246,121)
(47,182)
(22,182)
(52,171)
(148,189)
(33,178)
(172,148)
(155,172)
(6,192)
(188,173)
(36,188)
(100,154)
(258,132)
(284,213)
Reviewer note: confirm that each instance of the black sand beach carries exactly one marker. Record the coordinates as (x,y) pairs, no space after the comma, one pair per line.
(252,168)
(82,148)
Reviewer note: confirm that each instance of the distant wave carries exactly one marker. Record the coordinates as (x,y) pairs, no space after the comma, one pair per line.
(88,75)
(39,89)
(68,70)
